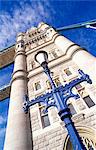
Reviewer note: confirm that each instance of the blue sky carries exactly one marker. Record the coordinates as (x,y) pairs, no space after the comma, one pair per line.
(5,77)
(18,16)
(3,121)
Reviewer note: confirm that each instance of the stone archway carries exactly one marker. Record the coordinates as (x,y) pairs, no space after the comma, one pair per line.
(88,136)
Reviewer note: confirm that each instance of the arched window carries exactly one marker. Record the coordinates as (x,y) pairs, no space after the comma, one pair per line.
(89,144)
(88,137)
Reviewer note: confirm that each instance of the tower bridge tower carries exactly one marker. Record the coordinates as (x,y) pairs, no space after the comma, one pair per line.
(46,131)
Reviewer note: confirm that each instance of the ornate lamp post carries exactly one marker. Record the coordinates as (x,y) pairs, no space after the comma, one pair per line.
(58,97)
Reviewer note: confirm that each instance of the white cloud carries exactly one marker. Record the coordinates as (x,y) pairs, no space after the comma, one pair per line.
(21,18)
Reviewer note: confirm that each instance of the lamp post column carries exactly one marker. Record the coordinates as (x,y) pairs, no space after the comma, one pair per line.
(18,133)
(64,113)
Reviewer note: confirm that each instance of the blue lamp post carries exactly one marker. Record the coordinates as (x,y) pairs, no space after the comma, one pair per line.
(58,97)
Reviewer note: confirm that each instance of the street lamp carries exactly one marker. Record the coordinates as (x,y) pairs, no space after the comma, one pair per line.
(60,95)
(41,57)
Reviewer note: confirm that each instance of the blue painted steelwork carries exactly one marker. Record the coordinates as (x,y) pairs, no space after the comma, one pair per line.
(87,24)
(58,97)
(4,87)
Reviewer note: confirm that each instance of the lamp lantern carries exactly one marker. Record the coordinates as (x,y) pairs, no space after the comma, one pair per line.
(41,57)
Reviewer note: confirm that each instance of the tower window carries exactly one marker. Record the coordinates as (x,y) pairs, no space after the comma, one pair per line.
(44,116)
(88,101)
(45,120)
(72,110)
(37,85)
(48,84)
(78,87)
(33,64)
(68,72)
(57,81)
(54,54)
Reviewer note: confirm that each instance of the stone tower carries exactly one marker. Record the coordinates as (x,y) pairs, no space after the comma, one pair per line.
(46,131)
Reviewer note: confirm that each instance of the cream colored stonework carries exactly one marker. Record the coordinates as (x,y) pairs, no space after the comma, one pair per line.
(69,55)
(18,133)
